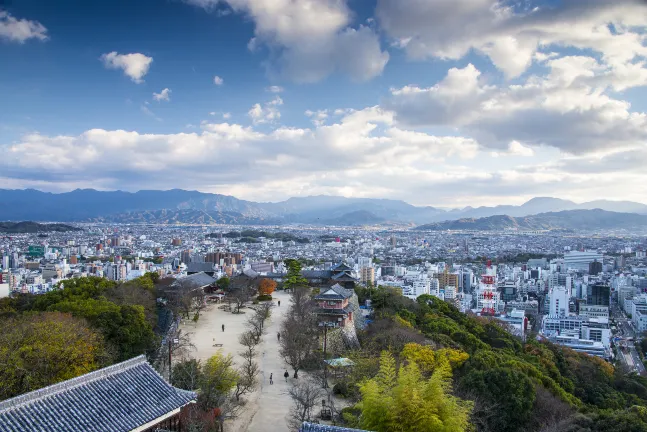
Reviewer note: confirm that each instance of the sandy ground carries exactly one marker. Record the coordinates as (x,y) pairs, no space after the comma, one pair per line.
(265,409)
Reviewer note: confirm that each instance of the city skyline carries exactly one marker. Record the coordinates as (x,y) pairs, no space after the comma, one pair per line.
(441,103)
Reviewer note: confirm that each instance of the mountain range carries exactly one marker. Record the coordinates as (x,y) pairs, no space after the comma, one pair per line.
(181,206)
(591,220)
(29,227)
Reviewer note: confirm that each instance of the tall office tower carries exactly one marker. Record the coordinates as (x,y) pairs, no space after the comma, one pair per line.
(598,294)
(595,268)
(367,275)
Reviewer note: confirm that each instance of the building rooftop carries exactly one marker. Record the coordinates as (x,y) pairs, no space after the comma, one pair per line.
(121,397)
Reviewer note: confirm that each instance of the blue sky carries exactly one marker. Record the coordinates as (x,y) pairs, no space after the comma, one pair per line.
(438,102)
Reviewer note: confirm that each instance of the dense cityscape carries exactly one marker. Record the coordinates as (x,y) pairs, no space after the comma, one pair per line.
(323,216)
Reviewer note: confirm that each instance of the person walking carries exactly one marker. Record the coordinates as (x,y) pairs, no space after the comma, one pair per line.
(279,303)
(223,327)
(271,382)
(278,336)
(286,375)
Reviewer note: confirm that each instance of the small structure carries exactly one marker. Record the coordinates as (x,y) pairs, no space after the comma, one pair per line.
(340,366)
(128,396)
(313,427)
(334,308)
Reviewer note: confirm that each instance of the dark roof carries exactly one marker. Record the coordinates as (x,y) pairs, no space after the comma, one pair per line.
(335,292)
(312,427)
(118,398)
(197,267)
(342,276)
(342,266)
(316,274)
(197,280)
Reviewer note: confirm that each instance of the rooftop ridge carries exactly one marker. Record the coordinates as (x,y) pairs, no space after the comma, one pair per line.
(23,399)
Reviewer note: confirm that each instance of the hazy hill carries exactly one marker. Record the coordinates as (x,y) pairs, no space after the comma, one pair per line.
(569,220)
(29,227)
(181,206)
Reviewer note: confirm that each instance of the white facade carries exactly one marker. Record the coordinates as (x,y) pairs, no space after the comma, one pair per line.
(580,260)
(558,301)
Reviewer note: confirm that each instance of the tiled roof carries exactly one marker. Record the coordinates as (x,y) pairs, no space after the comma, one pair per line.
(342,276)
(316,274)
(335,292)
(197,280)
(118,398)
(312,427)
(196,267)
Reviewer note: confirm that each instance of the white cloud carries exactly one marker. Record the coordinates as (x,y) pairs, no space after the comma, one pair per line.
(312,38)
(267,113)
(367,153)
(134,65)
(510,37)
(20,30)
(163,95)
(566,109)
(516,148)
(318,117)
(218,81)
(226,115)
(275,89)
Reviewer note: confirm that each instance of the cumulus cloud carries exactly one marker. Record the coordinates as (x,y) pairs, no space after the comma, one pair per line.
(164,95)
(218,81)
(365,154)
(20,30)
(510,36)
(568,109)
(266,113)
(134,65)
(310,39)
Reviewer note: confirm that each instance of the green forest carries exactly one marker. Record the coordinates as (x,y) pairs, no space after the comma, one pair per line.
(87,324)
(425,366)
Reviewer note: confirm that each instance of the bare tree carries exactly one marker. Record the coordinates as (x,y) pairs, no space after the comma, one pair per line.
(255,327)
(305,395)
(297,343)
(249,369)
(239,298)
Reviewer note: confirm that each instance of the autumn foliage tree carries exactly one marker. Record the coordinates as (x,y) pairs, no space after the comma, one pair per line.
(40,349)
(266,287)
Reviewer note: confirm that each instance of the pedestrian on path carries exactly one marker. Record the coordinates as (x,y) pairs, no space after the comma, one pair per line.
(271,382)
(278,336)
(223,327)
(279,303)
(286,375)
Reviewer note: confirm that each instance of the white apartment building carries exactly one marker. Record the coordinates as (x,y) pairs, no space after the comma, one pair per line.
(580,260)
(594,311)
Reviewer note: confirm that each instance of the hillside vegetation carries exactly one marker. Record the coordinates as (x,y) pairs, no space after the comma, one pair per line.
(504,384)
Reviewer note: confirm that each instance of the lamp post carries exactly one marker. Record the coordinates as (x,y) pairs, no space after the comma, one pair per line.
(325,326)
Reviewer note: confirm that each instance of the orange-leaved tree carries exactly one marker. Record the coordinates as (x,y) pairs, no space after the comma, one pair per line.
(266,287)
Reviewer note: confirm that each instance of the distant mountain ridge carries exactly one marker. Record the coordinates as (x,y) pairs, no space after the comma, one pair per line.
(576,220)
(29,227)
(182,206)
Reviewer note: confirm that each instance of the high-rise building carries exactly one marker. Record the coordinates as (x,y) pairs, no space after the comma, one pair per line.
(595,268)
(558,297)
(598,294)
(447,279)
(367,275)
(185,256)
(176,242)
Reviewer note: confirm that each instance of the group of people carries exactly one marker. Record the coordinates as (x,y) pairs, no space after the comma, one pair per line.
(286,375)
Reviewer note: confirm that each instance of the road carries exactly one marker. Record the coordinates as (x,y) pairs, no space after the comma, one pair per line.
(625,330)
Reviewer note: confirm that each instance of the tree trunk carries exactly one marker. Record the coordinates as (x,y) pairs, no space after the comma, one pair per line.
(296,373)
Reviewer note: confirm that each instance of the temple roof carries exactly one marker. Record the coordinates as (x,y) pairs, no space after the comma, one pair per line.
(121,397)
(335,292)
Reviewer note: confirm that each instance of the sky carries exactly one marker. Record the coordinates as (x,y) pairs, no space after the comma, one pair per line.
(436,102)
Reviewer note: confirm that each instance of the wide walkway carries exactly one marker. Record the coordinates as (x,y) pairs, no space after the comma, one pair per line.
(273,403)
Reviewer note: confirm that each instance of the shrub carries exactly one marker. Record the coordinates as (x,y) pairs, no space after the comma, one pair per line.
(264,298)
(341,389)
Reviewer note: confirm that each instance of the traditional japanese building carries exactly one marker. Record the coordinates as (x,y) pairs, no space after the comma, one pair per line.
(334,308)
(125,397)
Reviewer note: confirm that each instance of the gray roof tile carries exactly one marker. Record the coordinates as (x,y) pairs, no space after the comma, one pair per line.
(118,398)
